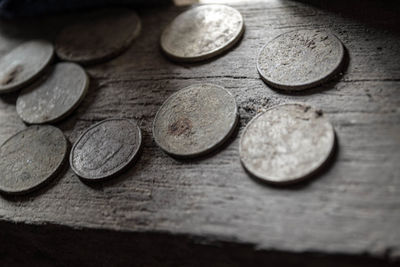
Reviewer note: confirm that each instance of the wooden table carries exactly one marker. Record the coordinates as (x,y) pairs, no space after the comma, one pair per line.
(208,211)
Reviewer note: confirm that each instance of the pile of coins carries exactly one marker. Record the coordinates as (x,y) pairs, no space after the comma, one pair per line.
(281,145)
(50,92)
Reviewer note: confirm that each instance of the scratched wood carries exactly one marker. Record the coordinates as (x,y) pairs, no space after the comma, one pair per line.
(349,211)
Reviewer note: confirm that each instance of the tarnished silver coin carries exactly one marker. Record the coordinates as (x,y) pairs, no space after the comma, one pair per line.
(300,59)
(195,120)
(202,32)
(106,149)
(30,158)
(101,36)
(286,143)
(54,97)
(23,64)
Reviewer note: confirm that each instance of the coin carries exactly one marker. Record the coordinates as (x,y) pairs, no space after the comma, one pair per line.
(105,149)
(286,143)
(23,64)
(195,120)
(202,32)
(30,158)
(101,36)
(300,59)
(54,97)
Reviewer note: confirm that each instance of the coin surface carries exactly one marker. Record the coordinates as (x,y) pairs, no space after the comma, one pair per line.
(300,59)
(23,64)
(55,96)
(106,149)
(202,32)
(286,143)
(30,158)
(103,35)
(195,120)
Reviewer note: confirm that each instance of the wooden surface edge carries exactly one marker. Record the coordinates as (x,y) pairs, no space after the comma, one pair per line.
(56,245)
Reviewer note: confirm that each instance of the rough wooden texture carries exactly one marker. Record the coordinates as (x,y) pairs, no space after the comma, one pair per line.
(352,208)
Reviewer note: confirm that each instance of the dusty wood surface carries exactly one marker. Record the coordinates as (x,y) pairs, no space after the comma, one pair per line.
(351,209)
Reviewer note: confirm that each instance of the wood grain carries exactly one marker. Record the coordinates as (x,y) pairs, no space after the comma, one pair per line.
(351,208)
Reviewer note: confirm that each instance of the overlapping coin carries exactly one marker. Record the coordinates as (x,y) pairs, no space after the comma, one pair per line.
(106,149)
(195,120)
(55,96)
(300,59)
(202,32)
(100,37)
(31,158)
(23,64)
(286,143)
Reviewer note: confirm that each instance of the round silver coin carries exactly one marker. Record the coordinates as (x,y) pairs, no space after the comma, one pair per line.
(101,36)
(106,149)
(54,97)
(286,143)
(23,64)
(300,59)
(195,120)
(30,158)
(202,32)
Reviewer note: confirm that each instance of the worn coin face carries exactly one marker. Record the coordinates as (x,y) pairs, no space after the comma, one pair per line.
(195,120)
(23,64)
(106,149)
(55,96)
(286,143)
(30,158)
(300,59)
(202,32)
(101,36)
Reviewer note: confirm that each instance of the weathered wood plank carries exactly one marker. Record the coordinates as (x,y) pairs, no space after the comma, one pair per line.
(351,208)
